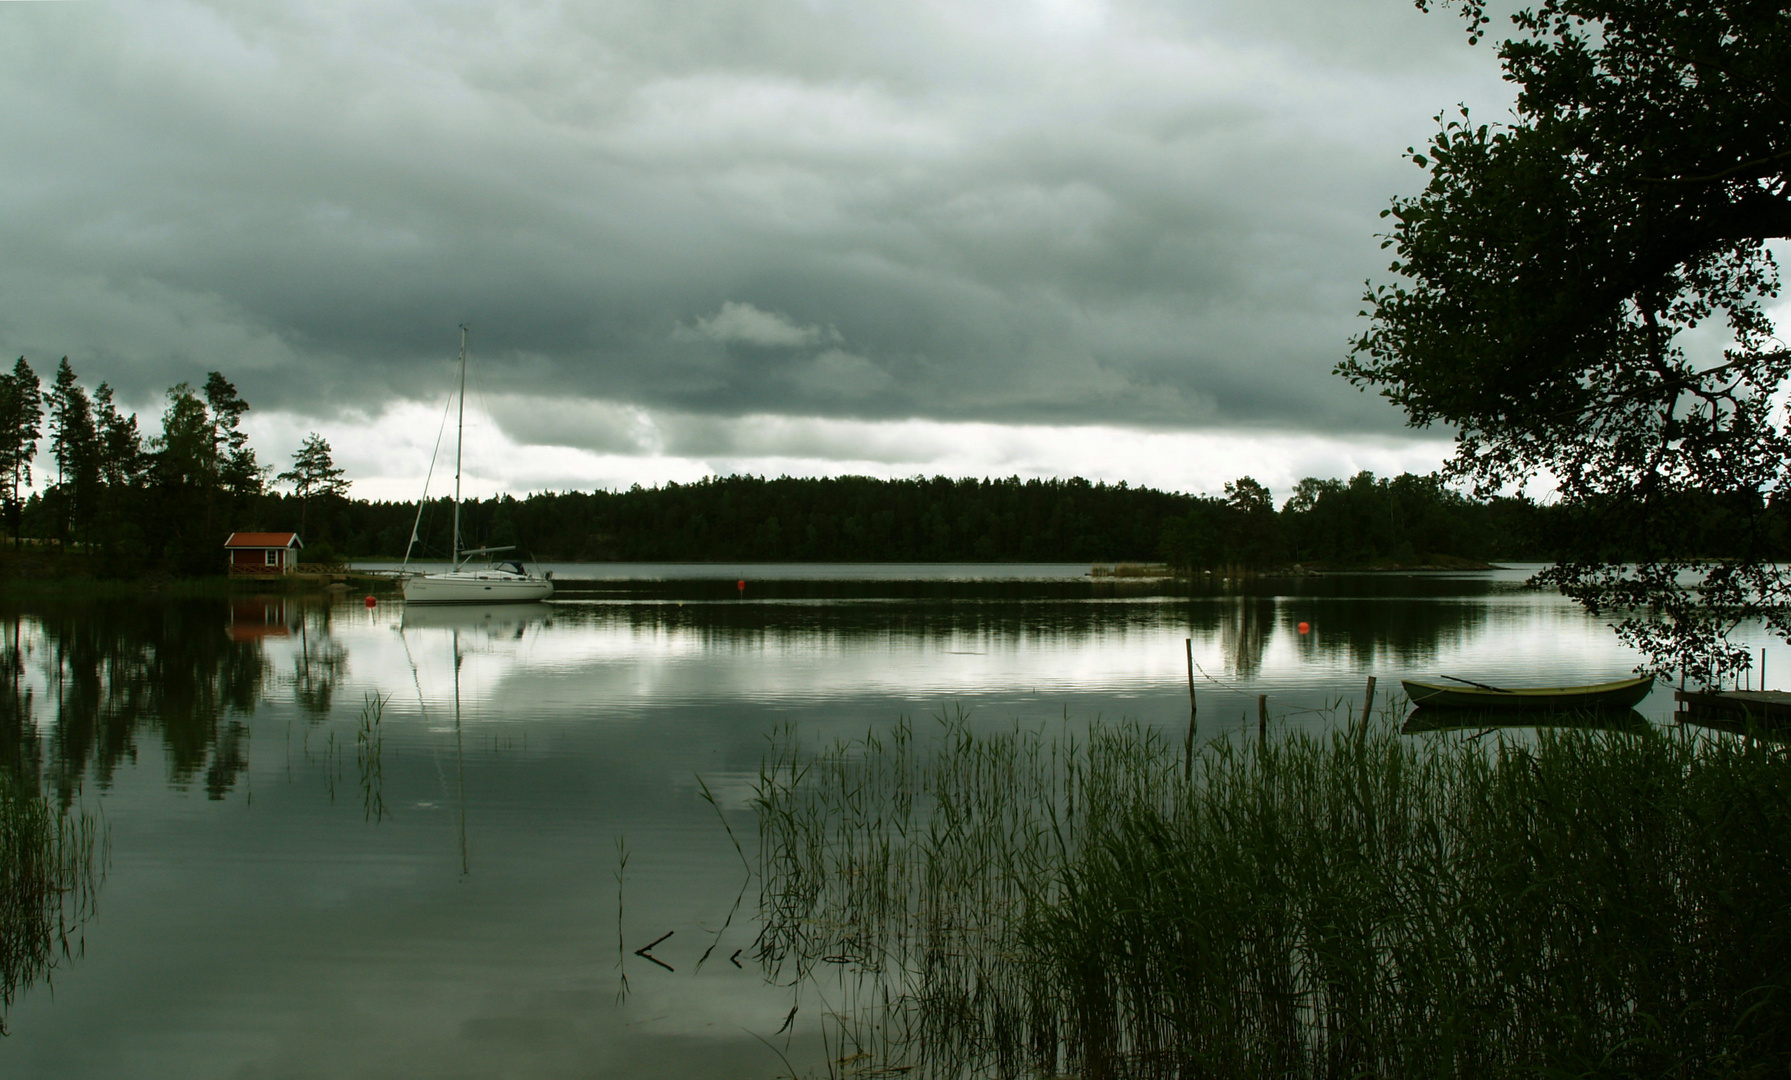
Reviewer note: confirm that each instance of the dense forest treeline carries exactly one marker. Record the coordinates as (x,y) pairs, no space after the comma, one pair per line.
(861,519)
(1406,520)
(167,502)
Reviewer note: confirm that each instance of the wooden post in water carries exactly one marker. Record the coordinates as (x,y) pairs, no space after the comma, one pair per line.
(1262,718)
(1367,702)
(1193,711)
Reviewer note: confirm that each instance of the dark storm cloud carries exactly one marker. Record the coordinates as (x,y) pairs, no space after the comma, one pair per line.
(1028,212)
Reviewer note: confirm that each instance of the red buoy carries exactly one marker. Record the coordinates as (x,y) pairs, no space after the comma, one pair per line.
(1305,628)
(741,585)
(371,602)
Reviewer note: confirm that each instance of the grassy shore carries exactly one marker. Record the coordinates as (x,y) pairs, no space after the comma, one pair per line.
(48,571)
(1577,903)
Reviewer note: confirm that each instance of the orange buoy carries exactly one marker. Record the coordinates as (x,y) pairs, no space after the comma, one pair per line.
(1305,628)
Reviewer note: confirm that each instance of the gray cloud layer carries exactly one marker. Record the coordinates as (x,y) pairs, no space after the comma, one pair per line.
(1058,211)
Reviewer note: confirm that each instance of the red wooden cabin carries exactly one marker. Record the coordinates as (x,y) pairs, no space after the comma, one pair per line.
(263,552)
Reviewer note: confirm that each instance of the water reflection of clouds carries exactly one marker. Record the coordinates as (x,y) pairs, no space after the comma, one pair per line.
(607,658)
(617,658)
(611,663)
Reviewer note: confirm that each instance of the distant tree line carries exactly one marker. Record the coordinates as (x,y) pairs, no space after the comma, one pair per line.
(1412,520)
(1406,520)
(836,519)
(167,502)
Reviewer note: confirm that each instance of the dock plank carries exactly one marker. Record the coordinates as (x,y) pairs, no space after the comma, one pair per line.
(1764,704)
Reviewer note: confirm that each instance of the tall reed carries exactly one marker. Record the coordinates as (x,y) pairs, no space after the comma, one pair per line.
(1348,904)
(370,750)
(51,862)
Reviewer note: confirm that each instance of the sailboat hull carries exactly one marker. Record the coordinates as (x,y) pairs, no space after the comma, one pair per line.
(475,587)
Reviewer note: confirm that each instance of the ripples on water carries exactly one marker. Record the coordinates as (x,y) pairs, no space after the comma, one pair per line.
(257,917)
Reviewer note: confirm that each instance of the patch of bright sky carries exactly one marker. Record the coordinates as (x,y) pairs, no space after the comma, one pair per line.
(389,457)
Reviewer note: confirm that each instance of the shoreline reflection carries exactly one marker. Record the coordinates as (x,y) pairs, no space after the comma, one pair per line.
(339,877)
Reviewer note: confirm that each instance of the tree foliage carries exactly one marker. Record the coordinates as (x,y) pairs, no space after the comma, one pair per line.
(21,412)
(74,445)
(1365,521)
(314,473)
(1581,294)
(141,503)
(233,459)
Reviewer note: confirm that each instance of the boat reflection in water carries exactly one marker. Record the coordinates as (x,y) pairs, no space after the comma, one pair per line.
(491,622)
(491,619)
(1423,721)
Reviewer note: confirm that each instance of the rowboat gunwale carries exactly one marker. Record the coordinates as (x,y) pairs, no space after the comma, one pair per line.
(1621,694)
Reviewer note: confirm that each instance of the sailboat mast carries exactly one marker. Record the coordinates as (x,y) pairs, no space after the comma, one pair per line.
(459,444)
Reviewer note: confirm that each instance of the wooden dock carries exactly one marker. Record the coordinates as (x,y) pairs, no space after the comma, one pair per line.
(1735,706)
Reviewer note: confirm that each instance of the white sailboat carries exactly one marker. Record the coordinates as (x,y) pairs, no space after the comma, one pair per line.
(503,580)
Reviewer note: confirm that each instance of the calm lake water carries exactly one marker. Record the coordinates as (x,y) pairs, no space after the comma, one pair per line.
(291,890)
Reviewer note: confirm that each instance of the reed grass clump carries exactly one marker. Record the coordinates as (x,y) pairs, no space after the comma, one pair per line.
(50,862)
(1352,904)
(370,749)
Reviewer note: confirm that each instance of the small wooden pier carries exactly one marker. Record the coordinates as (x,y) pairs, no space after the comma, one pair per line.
(1734,707)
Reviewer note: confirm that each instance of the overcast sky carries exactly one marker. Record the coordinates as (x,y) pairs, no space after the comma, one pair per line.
(1123,240)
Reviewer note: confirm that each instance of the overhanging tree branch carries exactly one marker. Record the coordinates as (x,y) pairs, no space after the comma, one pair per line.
(1546,280)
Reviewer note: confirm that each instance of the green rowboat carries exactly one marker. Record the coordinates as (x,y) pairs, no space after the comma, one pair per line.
(1625,694)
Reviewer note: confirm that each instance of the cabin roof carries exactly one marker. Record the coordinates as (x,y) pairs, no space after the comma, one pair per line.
(263,540)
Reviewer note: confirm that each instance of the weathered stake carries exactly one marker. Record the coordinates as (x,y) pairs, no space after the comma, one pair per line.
(1367,701)
(1262,717)
(1193,712)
